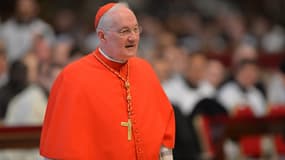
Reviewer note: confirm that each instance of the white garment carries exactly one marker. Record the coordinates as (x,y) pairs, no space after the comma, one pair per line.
(207,89)
(19,38)
(27,108)
(274,40)
(232,96)
(182,95)
(276,90)
(166,153)
(20,154)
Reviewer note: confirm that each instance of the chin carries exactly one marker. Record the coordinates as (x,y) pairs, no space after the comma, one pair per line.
(131,53)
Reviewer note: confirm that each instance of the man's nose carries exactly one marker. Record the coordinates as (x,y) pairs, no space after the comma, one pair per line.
(133,36)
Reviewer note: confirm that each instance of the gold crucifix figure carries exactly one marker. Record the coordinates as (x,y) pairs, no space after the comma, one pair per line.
(129,125)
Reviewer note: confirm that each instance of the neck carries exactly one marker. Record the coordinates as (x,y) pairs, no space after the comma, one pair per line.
(115,65)
(120,68)
(24,20)
(190,84)
(111,58)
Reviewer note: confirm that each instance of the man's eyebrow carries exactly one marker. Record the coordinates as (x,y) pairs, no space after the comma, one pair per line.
(124,27)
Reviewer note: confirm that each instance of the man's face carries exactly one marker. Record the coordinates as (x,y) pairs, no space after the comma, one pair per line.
(196,69)
(249,75)
(122,37)
(26,9)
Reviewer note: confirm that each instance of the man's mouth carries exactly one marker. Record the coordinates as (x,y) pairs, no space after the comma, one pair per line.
(130,46)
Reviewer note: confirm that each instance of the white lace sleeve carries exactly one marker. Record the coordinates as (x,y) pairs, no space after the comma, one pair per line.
(165,154)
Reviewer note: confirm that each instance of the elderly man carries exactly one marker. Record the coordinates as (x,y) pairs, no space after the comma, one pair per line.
(109,105)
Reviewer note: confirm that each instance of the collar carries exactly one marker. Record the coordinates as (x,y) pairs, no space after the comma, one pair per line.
(115,65)
(240,86)
(110,58)
(190,84)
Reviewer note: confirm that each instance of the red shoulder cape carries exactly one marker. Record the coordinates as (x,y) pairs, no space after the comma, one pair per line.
(87,105)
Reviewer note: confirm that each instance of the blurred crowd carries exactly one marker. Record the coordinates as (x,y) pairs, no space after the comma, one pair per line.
(176,42)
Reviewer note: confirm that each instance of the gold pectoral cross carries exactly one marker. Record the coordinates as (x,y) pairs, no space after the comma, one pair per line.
(129,125)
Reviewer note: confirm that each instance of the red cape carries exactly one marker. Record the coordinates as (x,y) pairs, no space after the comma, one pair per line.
(87,105)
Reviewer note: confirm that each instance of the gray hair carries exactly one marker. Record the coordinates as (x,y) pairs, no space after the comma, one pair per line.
(105,20)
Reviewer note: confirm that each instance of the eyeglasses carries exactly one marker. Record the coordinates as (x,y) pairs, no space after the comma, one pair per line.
(125,32)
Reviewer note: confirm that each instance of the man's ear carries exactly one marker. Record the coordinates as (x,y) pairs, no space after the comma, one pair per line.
(101,35)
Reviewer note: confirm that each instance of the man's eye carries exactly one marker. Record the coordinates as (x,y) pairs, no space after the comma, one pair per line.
(136,30)
(125,31)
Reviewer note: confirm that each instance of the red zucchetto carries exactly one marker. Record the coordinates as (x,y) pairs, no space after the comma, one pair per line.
(101,11)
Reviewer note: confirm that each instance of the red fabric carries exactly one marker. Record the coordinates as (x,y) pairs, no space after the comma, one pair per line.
(250,145)
(279,142)
(243,112)
(101,11)
(278,110)
(87,105)
(207,143)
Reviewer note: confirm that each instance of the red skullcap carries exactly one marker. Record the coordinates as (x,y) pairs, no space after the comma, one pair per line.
(101,11)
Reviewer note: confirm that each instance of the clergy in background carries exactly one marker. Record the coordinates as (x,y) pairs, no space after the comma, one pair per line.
(109,105)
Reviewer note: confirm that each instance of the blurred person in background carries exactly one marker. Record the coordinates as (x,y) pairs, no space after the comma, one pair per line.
(213,78)
(32,63)
(158,45)
(17,98)
(65,24)
(90,42)
(41,48)
(241,91)
(259,28)
(246,51)
(152,28)
(193,26)
(3,65)
(17,82)
(185,90)
(234,28)
(273,41)
(19,31)
(276,86)
(47,75)
(166,40)
(212,38)
(208,105)
(162,67)
(28,106)
(169,62)
(61,52)
(177,57)
(240,96)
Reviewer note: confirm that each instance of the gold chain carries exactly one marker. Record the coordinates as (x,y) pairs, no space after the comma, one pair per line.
(126,81)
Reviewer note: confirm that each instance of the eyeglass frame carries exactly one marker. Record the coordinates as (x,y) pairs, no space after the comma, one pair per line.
(126,31)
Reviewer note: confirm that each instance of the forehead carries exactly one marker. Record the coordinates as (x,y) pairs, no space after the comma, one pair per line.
(26,3)
(122,17)
(249,67)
